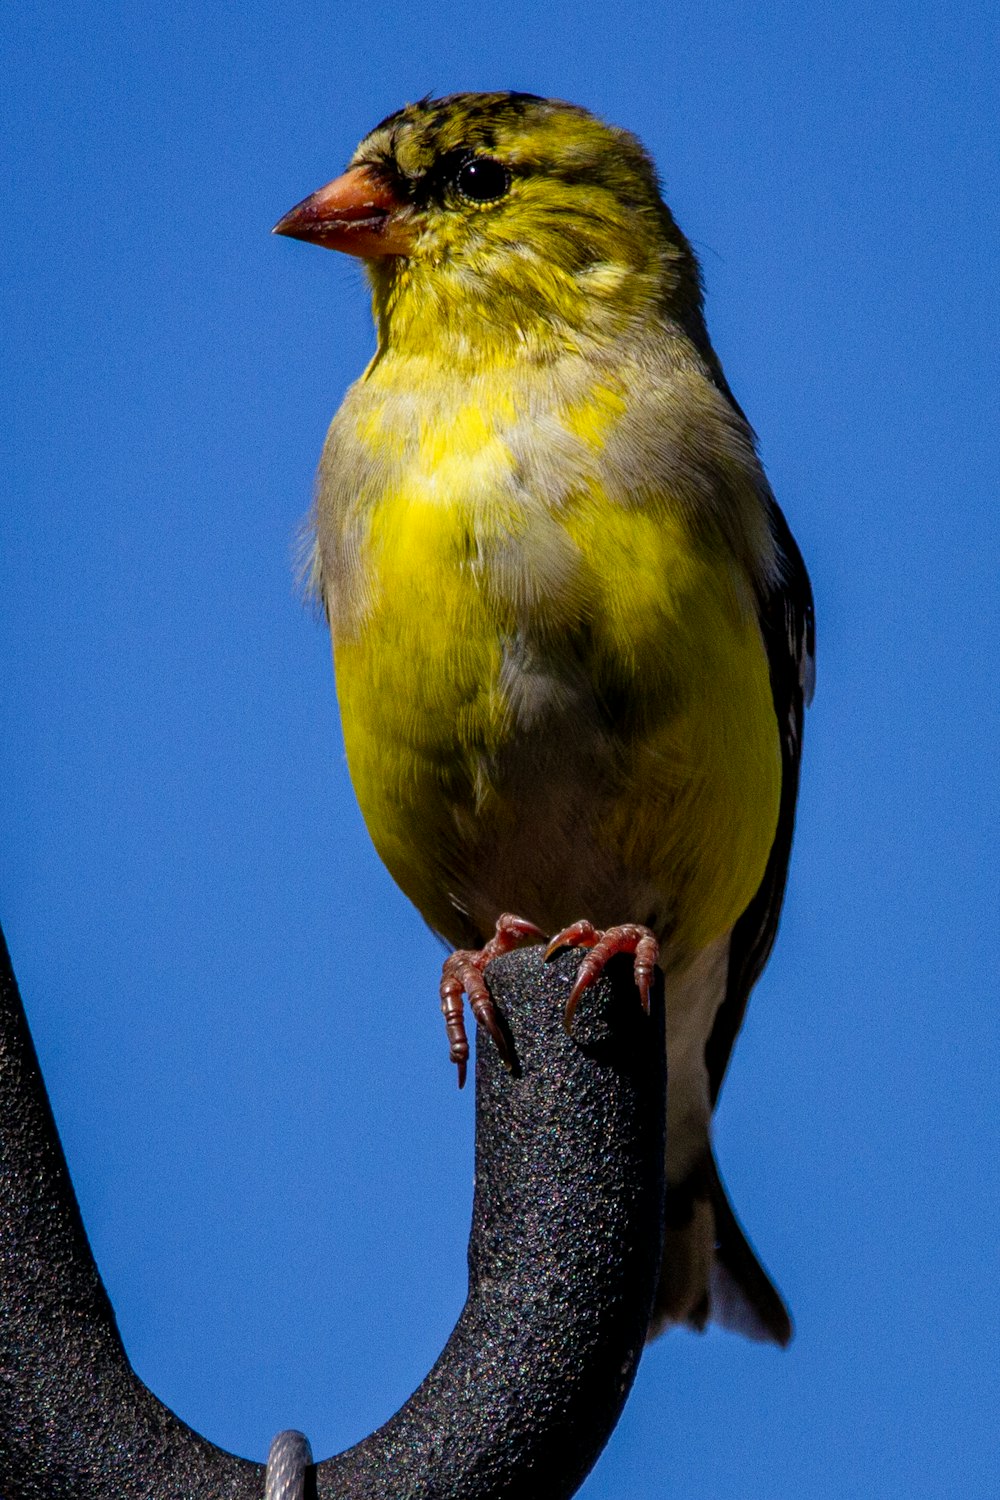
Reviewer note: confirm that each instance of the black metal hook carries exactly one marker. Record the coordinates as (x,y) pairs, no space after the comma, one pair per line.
(563,1258)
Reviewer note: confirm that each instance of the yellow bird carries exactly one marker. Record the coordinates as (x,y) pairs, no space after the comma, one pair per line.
(572,632)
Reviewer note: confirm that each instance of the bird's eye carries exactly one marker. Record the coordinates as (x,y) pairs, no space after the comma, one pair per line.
(482,179)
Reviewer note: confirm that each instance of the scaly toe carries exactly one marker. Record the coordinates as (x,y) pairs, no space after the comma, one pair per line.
(510,931)
(577,935)
(462,974)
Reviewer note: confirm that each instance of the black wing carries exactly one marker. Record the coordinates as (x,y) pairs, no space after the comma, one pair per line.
(787,624)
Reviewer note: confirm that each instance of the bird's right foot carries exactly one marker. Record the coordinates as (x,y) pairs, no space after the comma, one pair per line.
(462,974)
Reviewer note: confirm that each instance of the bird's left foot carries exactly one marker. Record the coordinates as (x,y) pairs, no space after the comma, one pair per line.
(629,937)
(462,974)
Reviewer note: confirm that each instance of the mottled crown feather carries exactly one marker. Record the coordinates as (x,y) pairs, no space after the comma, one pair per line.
(575,235)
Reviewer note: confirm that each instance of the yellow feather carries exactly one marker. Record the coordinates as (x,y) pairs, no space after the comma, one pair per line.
(654,618)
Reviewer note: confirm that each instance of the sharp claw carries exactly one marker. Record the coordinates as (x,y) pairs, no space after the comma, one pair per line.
(585,977)
(646,955)
(482,1009)
(576,935)
(461,1072)
(520,927)
(496,1031)
(500,1040)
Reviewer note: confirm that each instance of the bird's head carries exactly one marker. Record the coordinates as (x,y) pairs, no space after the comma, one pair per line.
(504,223)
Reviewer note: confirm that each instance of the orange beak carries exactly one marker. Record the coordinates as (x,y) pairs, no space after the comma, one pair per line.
(356,213)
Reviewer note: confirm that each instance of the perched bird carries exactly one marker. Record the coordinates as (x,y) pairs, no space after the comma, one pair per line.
(572,632)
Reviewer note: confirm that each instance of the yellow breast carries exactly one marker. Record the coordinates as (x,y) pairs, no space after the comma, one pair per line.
(555,699)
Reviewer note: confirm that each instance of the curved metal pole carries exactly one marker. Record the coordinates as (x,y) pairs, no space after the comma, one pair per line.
(563,1257)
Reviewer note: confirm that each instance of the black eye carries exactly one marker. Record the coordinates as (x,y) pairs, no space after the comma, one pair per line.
(482,179)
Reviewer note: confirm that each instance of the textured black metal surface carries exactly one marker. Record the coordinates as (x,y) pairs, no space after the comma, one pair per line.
(563,1257)
(75,1421)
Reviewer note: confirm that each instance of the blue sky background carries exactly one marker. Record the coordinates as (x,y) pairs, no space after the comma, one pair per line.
(272,1159)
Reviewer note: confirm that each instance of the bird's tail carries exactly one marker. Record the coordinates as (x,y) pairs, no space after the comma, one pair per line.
(709,1271)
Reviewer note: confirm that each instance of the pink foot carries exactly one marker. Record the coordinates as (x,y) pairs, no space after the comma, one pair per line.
(627,938)
(462,974)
